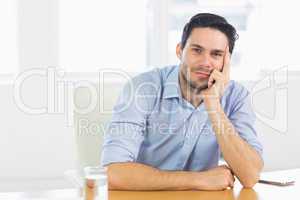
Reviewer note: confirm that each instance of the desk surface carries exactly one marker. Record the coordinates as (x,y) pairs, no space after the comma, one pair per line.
(259,192)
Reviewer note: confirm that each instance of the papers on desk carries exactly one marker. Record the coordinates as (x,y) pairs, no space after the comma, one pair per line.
(277,183)
(279,178)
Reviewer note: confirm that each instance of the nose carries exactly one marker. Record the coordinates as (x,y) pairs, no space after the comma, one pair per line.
(205,62)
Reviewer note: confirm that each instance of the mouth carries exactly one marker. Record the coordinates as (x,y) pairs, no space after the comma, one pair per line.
(201,74)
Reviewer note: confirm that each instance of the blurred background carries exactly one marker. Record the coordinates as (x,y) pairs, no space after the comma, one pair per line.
(50,48)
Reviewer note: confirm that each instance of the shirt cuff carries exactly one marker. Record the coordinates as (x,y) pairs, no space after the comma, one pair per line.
(115,154)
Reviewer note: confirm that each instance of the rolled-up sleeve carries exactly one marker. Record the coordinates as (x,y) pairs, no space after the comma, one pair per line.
(126,130)
(243,118)
(122,142)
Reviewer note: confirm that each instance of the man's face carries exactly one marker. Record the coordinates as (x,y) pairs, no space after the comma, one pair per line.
(203,52)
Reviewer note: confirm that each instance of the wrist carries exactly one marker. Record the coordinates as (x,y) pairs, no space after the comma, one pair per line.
(212,103)
(198,182)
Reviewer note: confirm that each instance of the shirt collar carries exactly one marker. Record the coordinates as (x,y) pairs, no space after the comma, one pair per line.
(171,85)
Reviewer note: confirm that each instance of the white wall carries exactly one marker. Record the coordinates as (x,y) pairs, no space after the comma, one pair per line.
(35,150)
(279,132)
(37,33)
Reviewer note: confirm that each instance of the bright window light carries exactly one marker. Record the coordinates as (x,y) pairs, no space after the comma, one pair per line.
(8,37)
(97,34)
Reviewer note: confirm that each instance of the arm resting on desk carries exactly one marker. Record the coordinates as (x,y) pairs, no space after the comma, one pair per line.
(136,176)
(244,161)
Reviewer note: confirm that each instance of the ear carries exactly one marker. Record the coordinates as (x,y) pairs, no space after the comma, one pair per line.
(178,51)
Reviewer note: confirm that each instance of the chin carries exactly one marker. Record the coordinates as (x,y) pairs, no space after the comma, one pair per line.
(199,86)
(202,83)
(202,87)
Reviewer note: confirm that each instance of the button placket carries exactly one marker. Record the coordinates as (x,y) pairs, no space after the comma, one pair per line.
(192,138)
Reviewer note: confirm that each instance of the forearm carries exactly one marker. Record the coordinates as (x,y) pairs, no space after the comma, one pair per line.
(135,176)
(240,156)
(245,162)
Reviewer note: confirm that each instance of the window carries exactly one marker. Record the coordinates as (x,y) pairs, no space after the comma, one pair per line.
(102,34)
(8,37)
(269,37)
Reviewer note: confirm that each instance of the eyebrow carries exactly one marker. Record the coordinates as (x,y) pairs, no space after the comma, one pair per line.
(201,47)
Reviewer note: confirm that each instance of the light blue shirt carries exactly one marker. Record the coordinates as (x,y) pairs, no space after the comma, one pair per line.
(152,124)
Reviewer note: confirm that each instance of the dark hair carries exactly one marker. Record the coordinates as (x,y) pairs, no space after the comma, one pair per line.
(212,21)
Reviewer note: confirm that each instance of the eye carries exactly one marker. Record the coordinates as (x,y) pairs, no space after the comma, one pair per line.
(196,50)
(217,54)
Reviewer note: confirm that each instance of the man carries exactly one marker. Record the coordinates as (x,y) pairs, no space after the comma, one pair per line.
(170,125)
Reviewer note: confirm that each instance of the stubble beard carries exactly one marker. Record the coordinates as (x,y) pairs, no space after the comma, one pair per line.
(191,86)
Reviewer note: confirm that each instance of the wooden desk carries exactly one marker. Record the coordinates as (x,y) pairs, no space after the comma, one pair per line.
(259,192)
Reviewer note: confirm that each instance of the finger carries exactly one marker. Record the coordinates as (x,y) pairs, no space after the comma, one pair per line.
(215,76)
(224,166)
(218,77)
(227,167)
(226,62)
(228,188)
(210,80)
(229,185)
(231,182)
(231,171)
